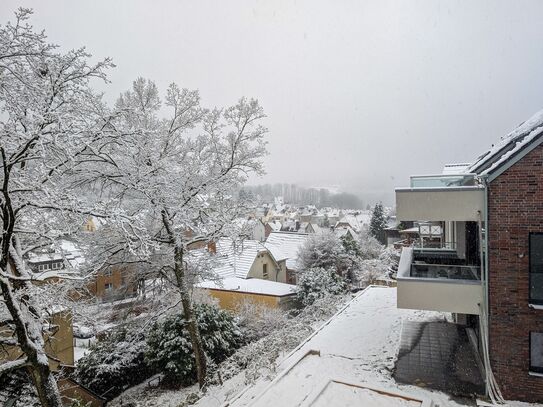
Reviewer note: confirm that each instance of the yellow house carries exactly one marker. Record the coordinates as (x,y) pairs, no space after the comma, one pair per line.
(233,291)
(248,271)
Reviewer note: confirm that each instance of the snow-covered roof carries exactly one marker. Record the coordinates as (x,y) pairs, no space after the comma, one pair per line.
(44,257)
(275,225)
(63,274)
(236,258)
(285,246)
(316,228)
(509,146)
(348,374)
(340,232)
(251,286)
(456,168)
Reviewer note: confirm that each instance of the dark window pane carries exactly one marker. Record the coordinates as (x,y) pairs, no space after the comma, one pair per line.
(536,267)
(536,286)
(536,351)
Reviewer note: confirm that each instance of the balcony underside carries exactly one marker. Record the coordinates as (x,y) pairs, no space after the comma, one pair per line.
(440,204)
(437,287)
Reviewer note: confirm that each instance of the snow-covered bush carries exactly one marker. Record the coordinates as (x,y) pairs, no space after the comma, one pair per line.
(17,387)
(115,363)
(328,251)
(169,348)
(315,283)
(350,245)
(257,320)
(369,271)
(322,250)
(370,248)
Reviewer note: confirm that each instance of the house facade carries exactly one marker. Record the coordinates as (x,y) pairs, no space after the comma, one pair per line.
(247,271)
(487,266)
(284,247)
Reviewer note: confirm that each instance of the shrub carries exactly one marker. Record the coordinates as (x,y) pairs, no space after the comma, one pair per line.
(169,348)
(257,320)
(315,283)
(370,248)
(115,363)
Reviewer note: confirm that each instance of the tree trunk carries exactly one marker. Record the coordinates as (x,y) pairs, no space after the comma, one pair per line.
(46,385)
(188,312)
(31,344)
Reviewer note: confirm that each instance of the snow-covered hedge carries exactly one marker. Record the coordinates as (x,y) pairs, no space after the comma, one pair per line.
(169,348)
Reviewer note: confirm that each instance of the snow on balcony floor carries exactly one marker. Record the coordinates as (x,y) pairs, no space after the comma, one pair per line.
(358,345)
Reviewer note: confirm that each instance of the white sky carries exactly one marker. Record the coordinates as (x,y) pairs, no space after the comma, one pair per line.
(359,94)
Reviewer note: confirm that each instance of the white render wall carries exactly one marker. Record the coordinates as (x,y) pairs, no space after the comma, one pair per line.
(446,296)
(454,204)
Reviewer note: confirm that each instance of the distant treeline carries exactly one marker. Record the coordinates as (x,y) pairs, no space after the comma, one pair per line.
(297,195)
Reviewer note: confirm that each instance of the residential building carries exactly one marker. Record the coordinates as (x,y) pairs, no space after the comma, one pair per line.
(247,270)
(284,247)
(233,291)
(487,265)
(274,226)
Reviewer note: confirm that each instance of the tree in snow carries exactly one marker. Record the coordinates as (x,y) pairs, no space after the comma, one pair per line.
(378,222)
(324,250)
(115,362)
(176,180)
(350,245)
(50,121)
(369,246)
(317,282)
(170,347)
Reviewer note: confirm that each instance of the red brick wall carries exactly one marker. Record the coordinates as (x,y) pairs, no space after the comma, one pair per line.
(515,209)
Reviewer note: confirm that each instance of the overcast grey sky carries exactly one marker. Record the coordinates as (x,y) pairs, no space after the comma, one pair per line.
(359,94)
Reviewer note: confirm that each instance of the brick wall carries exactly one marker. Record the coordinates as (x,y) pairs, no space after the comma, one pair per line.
(515,209)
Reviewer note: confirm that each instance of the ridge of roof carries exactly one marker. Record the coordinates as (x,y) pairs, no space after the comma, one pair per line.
(509,146)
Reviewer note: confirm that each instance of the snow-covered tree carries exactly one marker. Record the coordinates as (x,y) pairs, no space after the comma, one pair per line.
(378,222)
(314,283)
(170,348)
(323,250)
(369,246)
(50,122)
(115,362)
(176,175)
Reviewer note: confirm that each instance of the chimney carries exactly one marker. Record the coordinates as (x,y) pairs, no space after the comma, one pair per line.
(212,247)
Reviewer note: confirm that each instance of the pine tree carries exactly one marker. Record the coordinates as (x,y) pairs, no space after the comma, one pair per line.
(378,222)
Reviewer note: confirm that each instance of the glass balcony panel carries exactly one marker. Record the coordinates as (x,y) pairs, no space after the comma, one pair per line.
(442,181)
(445,271)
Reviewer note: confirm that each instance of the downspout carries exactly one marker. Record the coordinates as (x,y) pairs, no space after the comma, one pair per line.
(492,389)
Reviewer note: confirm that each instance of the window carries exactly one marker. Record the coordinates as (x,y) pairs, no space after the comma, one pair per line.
(265,271)
(107,272)
(108,286)
(536,268)
(536,352)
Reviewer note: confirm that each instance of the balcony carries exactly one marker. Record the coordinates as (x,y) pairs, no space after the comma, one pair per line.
(434,281)
(441,198)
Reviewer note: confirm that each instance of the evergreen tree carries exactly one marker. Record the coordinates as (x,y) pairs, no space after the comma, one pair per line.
(378,222)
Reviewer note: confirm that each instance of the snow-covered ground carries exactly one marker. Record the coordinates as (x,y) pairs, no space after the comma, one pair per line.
(358,345)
